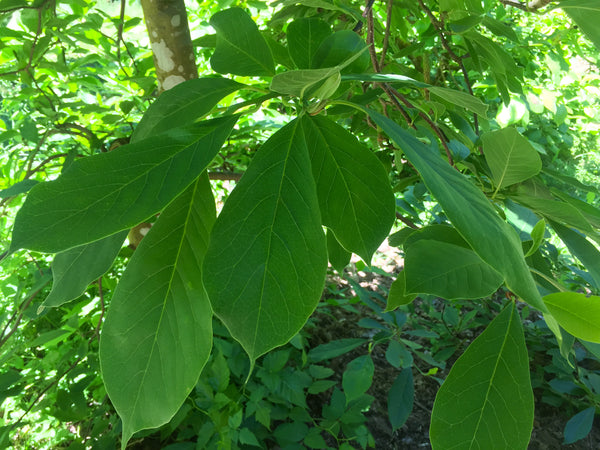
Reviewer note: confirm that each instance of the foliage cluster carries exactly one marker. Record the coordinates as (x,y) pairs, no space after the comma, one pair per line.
(459,125)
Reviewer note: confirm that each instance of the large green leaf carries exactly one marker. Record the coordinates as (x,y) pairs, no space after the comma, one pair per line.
(241,49)
(265,267)
(74,269)
(304,36)
(103,194)
(158,331)
(511,157)
(486,402)
(355,195)
(586,14)
(448,271)
(183,104)
(340,46)
(462,99)
(576,313)
(469,211)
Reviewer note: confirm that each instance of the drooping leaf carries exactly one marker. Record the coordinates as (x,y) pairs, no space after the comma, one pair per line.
(398,295)
(486,401)
(355,196)
(537,235)
(400,398)
(448,271)
(511,157)
(339,47)
(158,330)
(576,313)
(73,270)
(338,256)
(304,36)
(127,185)
(241,49)
(470,212)
(586,14)
(357,377)
(462,99)
(580,425)
(183,104)
(265,267)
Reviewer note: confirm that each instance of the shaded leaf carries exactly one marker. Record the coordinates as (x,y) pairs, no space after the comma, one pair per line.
(18,188)
(338,256)
(576,313)
(266,264)
(537,235)
(487,401)
(158,331)
(240,48)
(357,377)
(397,295)
(304,36)
(339,47)
(580,425)
(462,99)
(128,185)
(334,348)
(400,399)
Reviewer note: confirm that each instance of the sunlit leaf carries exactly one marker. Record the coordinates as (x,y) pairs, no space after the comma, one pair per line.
(158,331)
(576,313)
(586,14)
(462,99)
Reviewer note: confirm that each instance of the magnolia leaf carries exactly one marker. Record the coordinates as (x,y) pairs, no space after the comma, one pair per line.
(338,48)
(401,398)
(486,401)
(586,14)
(158,330)
(462,99)
(304,36)
(397,295)
(338,256)
(266,264)
(537,235)
(127,185)
(576,313)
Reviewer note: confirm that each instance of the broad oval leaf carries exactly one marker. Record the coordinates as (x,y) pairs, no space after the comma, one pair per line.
(401,398)
(580,425)
(127,185)
(266,264)
(355,195)
(73,270)
(469,211)
(586,14)
(461,99)
(357,377)
(511,157)
(241,49)
(338,256)
(304,36)
(576,313)
(339,47)
(183,104)
(158,330)
(486,402)
(448,271)
(397,295)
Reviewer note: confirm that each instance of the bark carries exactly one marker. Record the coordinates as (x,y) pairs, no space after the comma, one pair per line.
(167,24)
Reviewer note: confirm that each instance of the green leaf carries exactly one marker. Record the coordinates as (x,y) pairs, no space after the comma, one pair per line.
(355,196)
(537,235)
(157,335)
(486,401)
(576,313)
(511,157)
(18,188)
(338,256)
(106,193)
(581,248)
(448,271)
(304,36)
(266,264)
(400,399)
(462,99)
(470,212)
(73,270)
(183,104)
(579,426)
(339,47)
(586,14)
(241,49)
(357,377)
(397,295)
(334,349)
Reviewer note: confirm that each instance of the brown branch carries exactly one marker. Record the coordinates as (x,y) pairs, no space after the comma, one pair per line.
(43,163)
(235,176)
(18,316)
(371,36)
(33,45)
(386,35)
(406,221)
(519,5)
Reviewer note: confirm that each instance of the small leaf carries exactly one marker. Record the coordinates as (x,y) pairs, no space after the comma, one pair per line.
(73,270)
(338,256)
(357,377)
(266,264)
(18,188)
(334,348)
(157,335)
(579,426)
(537,234)
(241,49)
(576,313)
(401,398)
(511,157)
(304,36)
(486,401)
(397,295)
(462,99)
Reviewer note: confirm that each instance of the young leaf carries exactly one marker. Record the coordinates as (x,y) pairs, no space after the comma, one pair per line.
(304,36)
(357,377)
(470,212)
(579,426)
(401,398)
(398,296)
(73,270)
(241,49)
(448,271)
(106,193)
(355,196)
(511,157)
(576,313)
(487,401)
(183,104)
(537,235)
(266,264)
(158,331)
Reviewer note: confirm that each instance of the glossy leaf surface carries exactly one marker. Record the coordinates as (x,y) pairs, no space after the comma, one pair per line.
(265,267)
(576,313)
(158,331)
(486,402)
